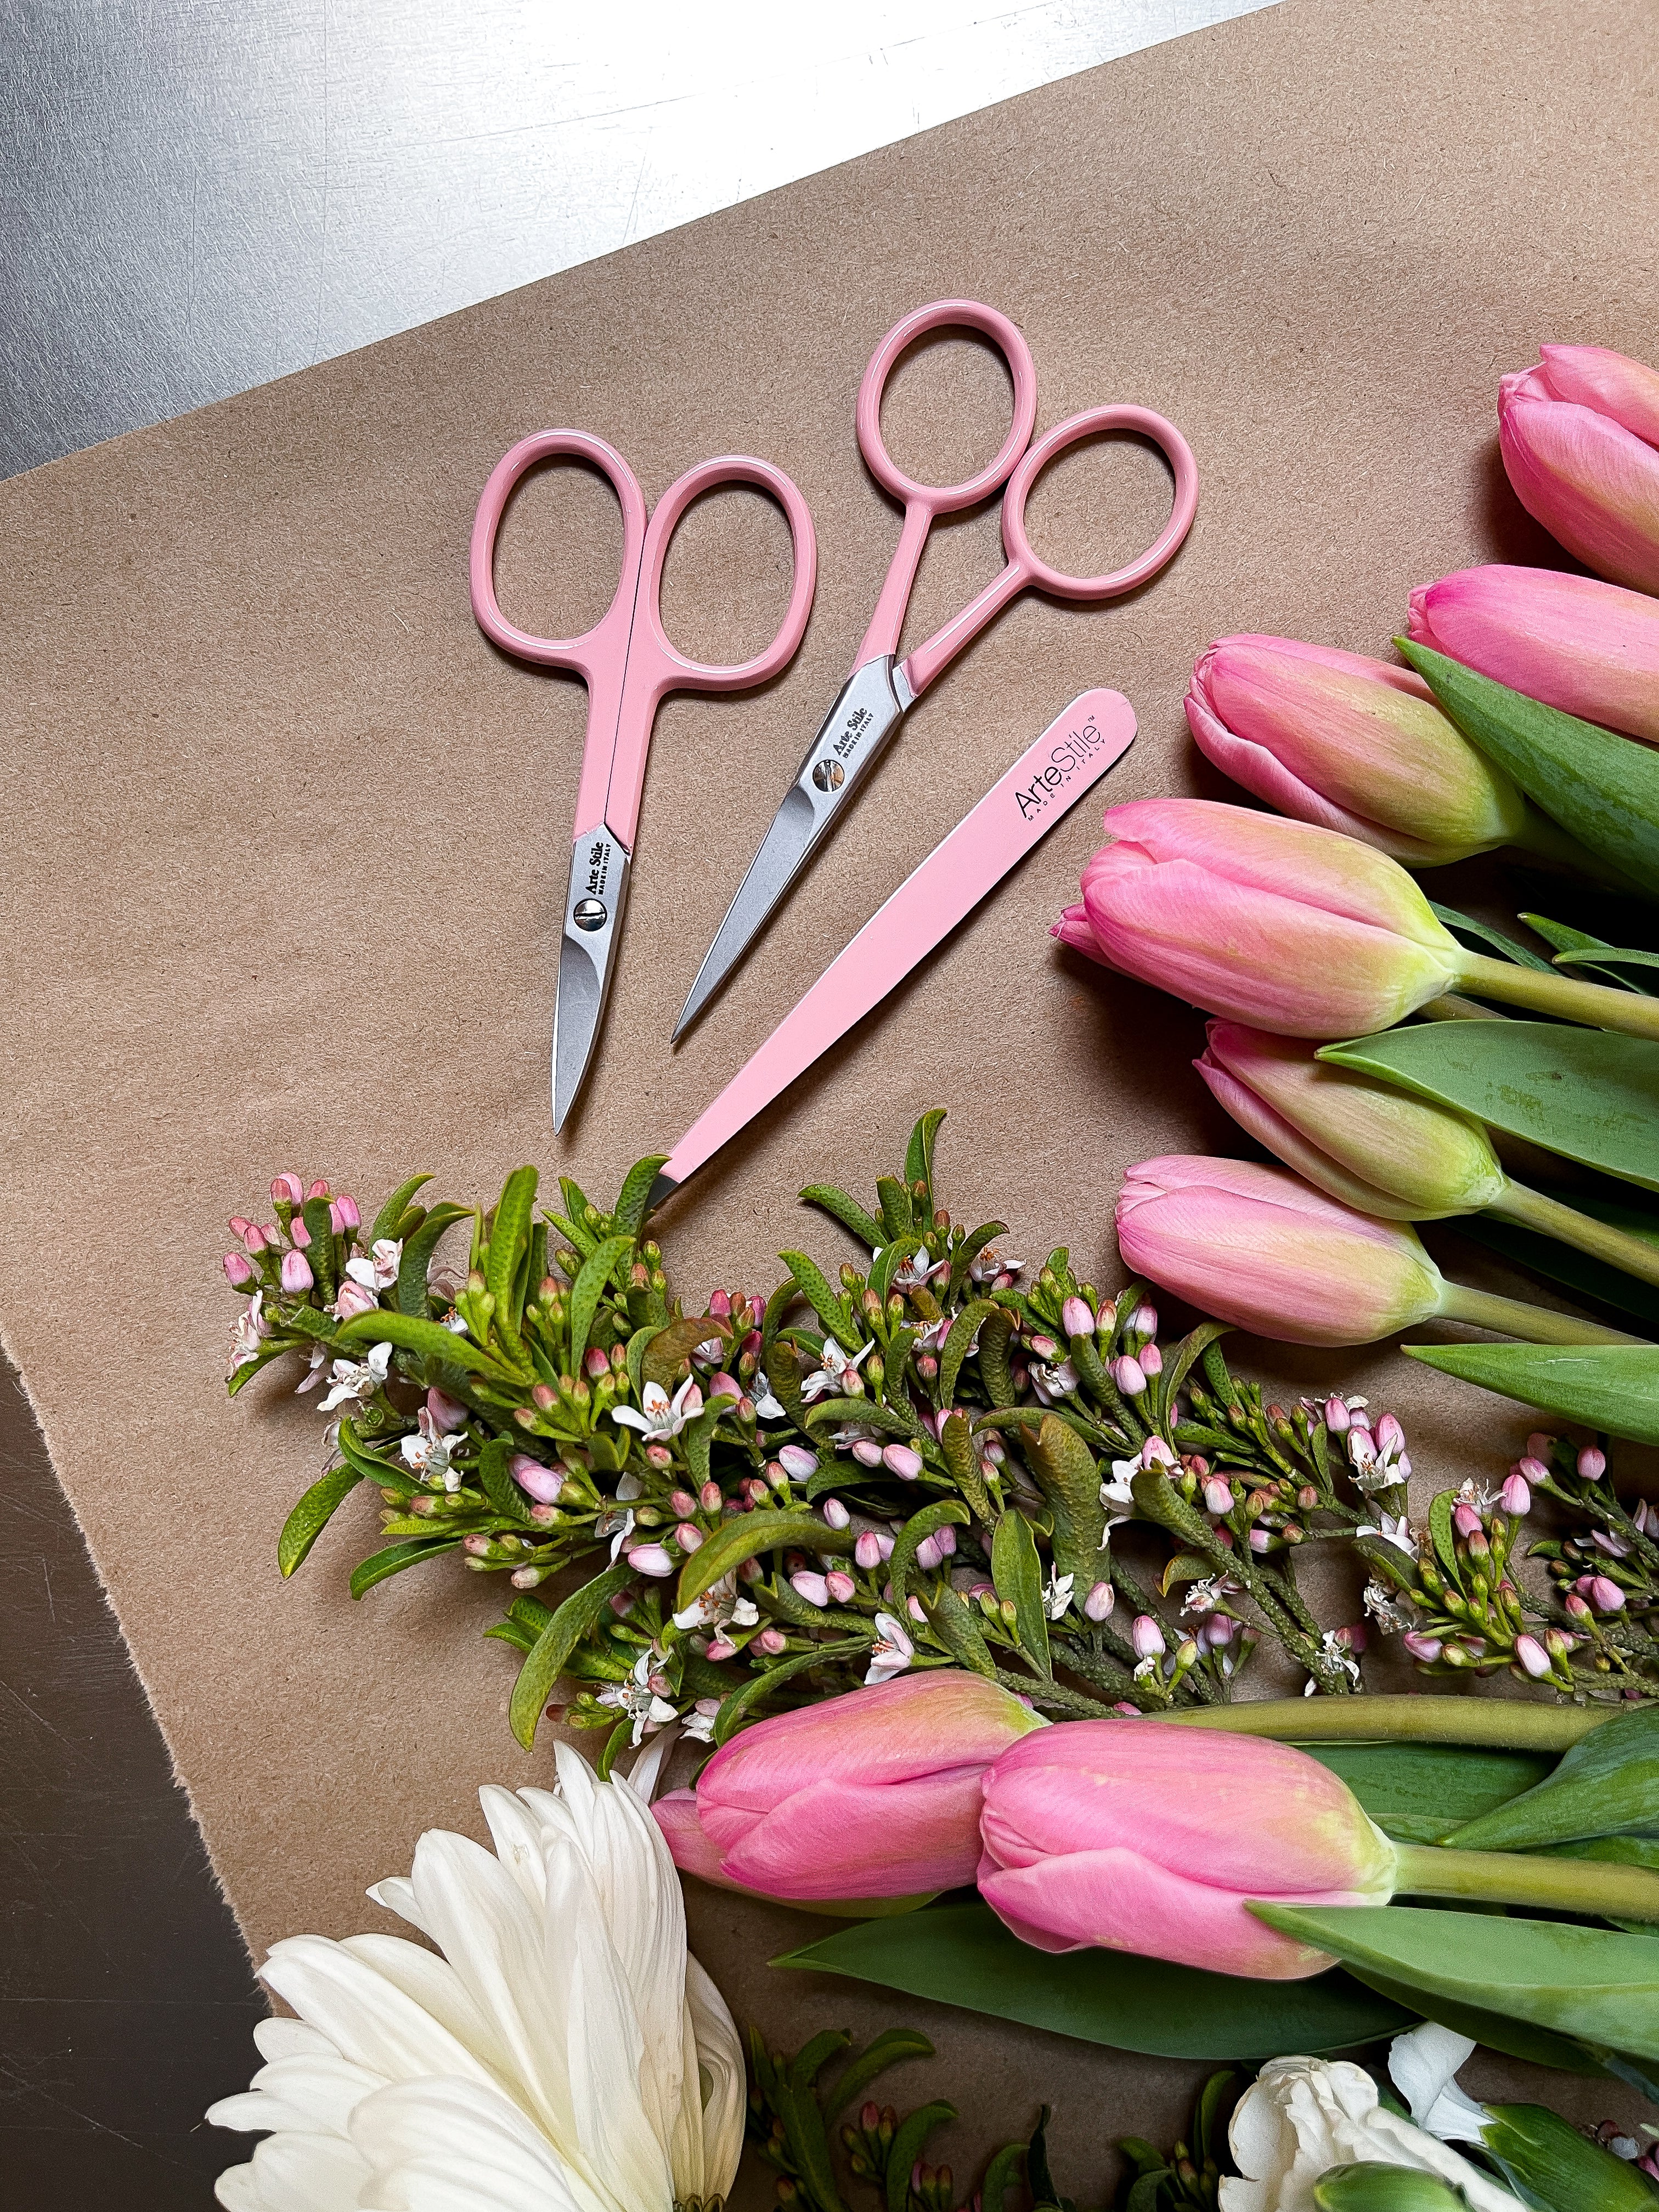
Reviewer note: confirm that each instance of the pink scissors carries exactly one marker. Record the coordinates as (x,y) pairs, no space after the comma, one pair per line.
(629,667)
(878,694)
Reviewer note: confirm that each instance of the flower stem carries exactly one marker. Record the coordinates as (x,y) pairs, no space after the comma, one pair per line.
(1498,1723)
(1596,1005)
(1597,1886)
(1635,1255)
(1547,841)
(1532,1324)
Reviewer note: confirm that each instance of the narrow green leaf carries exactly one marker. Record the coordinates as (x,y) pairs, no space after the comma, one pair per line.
(1587,1094)
(1601,787)
(554,1646)
(1610,1387)
(385,1221)
(919,1154)
(913,2133)
(587,1290)
(956,1624)
(509,1234)
(380,1566)
(741,1703)
(417,1257)
(497,1484)
(1517,2039)
(1420,1792)
(313,1514)
(893,2047)
(1463,925)
(660,1361)
(830,1412)
(919,1527)
(429,1338)
(898,1212)
(244,1375)
(803,2121)
(848,1211)
(1070,1482)
(1613,957)
(1005,2172)
(1017,1574)
(959,1343)
(636,1191)
(1191,1349)
(1441,1536)
(968,1251)
(1607,1786)
(830,1308)
(746,1536)
(1561,937)
(638,1344)
(522,1640)
(995,1334)
(962,1954)
(1576,1981)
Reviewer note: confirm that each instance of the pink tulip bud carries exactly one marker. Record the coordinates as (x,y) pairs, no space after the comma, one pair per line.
(928,1554)
(1578,436)
(1427,1649)
(1353,745)
(797,1463)
(1592,1463)
(875,1794)
(1318,1272)
(544,1483)
(296,1273)
(900,1460)
(1129,1375)
(298,1233)
(834,1513)
(1147,1638)
(237,1270)
(1605,1595)
(1218,1495)
(1515,1496)
(813,1588)
(1097,1605)
(287,1189)
(841,1587)
(1533,1656)
(1287,927)
(1338,1420)
(1076,1319)
(651,1560)
(866,1552)
(1102,1834)
(1590,648)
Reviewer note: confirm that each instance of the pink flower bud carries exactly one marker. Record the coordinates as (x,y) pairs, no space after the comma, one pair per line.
(346,1207)
(1353,1638)
(866,1552)
(546,1396)
(298,1233)
(1261,1542)
(544,1483)
(682,1505)
(1427,1649)
(1533,1656)
(254,1238)
(476,1545)
(1592,1463)
(1466,1521)
(1076,1319)
(771,1641)
(719,1305)
(1143,1322)
(1097,1605)
(724,1386)
(1129,1375)
(867,1452)
(651,1560)
(1605,1595)
(813,1588)
(1044,1346)
(1515,1496)
(840,1587)
(1338,1420)
(353,1298)
(318,1190)
(927,1554)
(945,1538)
(1578,433)
(296,1273)
(1575,1607)
(237,1270)
(797,1463)
(834,1513)
(1155,1452)
(1590,648)
(884,1543)
(710,1497)
(719,1648)
(688,1536)
(914,1608)
(900,1460)
(1217,1495)
(448,1414)
(1147,1638)
(594,1364)
(658,1455)
(287,1189)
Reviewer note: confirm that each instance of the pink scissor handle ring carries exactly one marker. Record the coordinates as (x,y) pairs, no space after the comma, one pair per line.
(1010,342)
(1090,424)
(679,674)
(578,653)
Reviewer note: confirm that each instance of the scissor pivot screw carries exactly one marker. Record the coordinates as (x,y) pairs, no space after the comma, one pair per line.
(828,775)
(590,913)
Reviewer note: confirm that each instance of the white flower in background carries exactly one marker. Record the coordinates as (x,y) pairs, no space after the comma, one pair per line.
(832,1377)
(619,1527)
(1385,1609)
(428,1453)
(1301,2117)
(352,1381)
(247,1334)
(1391,1530)
(988,1265)
(1057,1597)
(722,1605)
(1052,1382)
(699,1721)
(380,1271)
(910,1275)
(890,1653)
(1338,1654)
(1423,2066)
(659,1417)
(764,1403)
(639,1699)
(564,2053)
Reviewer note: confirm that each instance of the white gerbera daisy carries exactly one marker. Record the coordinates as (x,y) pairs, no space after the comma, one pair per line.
(564,2053)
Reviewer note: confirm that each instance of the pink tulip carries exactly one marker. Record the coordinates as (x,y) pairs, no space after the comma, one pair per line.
(1590,649)
(1279,924)
(875,1794)
(1352,743)
(1578,435)
(1134,1836)
(1259,1248)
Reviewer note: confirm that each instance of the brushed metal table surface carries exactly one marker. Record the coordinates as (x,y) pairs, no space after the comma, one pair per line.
(197,195)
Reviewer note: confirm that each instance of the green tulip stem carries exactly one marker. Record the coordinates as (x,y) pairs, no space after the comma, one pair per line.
(1600,1887)
(1598,1005)
(1532,1324)
(1547,841)
(1635,1255)
(1496,1723)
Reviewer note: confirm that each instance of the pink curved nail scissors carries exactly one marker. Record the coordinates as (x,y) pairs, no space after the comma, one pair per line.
(629,667)
(878,694)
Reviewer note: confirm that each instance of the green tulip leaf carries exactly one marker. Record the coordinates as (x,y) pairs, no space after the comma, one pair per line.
(1609,1387)
(1574,1270)
(1538,2046)
(1601,787)
(1562,937)
(962,1954)
(1587,1094)
(1584,1982)
(1607,1786)
(1487,939)
(1560,2169)
(1419,1793)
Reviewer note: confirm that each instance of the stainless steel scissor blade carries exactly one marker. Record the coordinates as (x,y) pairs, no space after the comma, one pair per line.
(593,909)
(871,704)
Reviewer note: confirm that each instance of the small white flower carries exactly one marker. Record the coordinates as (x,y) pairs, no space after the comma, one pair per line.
(619,1527)
(699,1721)
(932,1339)
(1052,1382)
(429,1452)
(1118,1495)
(765,1404)
(1057,1597)
(1385,1609)
(722,1605)
(988,1265)
(910,1275)
(891,1652)
(851,1433)
(247,1334)
(1391,1530)
(380,1271)
(831,1378)
(639,1701)
(1338,1655)
(659,1417)
(1423,2066)
(1210,1595)
(355,1381)
(313,1374)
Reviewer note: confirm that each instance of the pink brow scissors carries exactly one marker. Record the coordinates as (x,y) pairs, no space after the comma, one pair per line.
(629,667)
(878,694)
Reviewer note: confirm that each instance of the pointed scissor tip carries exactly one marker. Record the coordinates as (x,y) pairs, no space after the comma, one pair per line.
(663,1186)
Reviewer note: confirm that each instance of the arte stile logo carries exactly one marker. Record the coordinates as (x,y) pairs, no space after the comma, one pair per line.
(1066,757)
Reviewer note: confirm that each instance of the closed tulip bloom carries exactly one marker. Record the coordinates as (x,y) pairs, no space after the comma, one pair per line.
(1580,440)
(875,1794)
(1258,1246)
(1134,1835)
(1590,648)
(1356,746)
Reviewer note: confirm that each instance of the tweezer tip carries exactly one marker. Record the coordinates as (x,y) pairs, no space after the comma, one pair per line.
(663,1186)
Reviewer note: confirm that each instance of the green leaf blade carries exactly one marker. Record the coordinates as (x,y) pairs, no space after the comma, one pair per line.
(1017,1575)
(429,1338)
(588,1289)
(554,1646)
(746,1536)
(1607,1786)
(311,1515)
(1613,1387)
